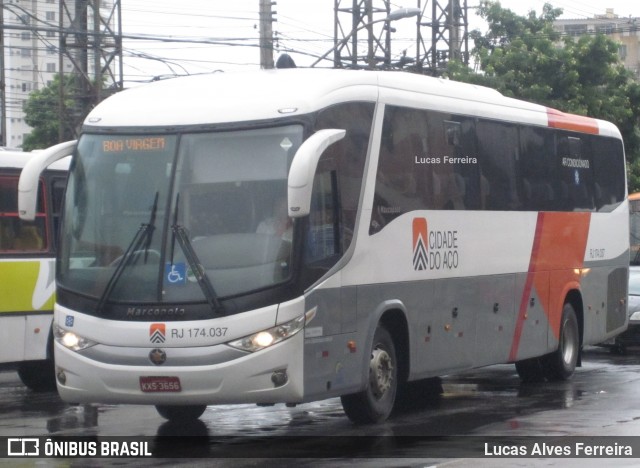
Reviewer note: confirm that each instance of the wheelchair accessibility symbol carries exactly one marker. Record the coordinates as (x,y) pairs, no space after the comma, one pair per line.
(175,273)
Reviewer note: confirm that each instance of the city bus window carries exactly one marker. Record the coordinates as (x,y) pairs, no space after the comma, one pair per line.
(576,173)
(17,235)
(608,173)
(459,164)
(497,153)
(402,184)
(537,180)
(427,161)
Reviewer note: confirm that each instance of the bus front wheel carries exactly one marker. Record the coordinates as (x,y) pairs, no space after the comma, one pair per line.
(175,413)
(39,376)
(375,403)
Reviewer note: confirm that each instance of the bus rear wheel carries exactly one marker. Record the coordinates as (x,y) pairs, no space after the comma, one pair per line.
(175,413)
(375,403)
(561,364)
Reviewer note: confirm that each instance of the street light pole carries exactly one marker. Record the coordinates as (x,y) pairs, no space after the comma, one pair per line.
(393,16)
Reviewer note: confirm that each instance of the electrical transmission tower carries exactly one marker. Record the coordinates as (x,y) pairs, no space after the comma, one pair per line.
(449,39)
(91,41)
(356,20)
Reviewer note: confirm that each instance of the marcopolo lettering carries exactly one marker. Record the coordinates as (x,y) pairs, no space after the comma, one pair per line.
(155,312)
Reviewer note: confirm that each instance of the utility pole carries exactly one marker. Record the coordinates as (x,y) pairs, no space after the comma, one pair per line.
(266,33)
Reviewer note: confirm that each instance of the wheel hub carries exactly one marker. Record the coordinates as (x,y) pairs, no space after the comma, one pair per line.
(568,344)
(380,372)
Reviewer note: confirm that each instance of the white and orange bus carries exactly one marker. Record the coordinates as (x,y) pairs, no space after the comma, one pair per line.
(27,267)
(432,227)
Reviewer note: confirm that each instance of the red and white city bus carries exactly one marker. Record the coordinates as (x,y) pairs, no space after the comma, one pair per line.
(432,227)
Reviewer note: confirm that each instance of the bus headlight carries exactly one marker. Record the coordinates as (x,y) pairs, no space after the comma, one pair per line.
(269,337)
(70,340)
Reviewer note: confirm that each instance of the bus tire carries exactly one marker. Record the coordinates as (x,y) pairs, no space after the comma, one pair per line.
(561,364)
(38,376)
(375,403)
(531,370)
(175,413)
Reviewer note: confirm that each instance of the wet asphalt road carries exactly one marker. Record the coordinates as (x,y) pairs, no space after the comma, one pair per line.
(602,399)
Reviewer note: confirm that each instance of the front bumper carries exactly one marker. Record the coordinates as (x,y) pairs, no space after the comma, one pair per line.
(245,379)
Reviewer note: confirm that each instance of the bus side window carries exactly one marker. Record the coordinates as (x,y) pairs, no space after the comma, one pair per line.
(349,155)
(6,233)
(322,241)
(575,172)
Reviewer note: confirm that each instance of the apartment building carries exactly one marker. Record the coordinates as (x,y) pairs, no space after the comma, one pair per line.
(32,49)
(624,30)
(31,58)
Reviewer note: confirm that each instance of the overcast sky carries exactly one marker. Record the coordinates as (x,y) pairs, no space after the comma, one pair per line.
(303,27)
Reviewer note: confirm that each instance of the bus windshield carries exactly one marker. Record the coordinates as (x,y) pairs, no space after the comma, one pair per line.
(188,218)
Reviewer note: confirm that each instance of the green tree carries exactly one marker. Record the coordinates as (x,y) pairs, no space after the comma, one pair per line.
(524,57)
(42,113)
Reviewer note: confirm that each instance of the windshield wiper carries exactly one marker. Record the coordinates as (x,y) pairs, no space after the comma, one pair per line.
(151,226)
(180,233)
(144,233)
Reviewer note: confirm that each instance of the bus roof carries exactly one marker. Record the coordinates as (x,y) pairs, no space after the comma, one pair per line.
(269,94)
(18,159)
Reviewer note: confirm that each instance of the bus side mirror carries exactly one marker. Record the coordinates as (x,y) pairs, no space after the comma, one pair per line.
(303,168)
(30,175)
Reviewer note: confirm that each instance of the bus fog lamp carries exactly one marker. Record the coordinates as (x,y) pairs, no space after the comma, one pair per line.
(71,340)
(279,378)
(265,338)
(61,376)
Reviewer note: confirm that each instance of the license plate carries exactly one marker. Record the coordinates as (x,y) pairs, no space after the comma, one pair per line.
(160,384)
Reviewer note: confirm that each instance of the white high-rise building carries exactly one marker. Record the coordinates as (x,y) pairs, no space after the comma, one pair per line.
(30,58)
(32,52)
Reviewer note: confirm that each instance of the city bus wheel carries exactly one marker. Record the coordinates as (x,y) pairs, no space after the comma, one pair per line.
(561,364)
(39,376)
(530,370)
(175,413)
(374,404)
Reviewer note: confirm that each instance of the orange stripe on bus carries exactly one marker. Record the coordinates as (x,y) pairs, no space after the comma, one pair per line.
(578,123)
(559,247)
(524,300)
